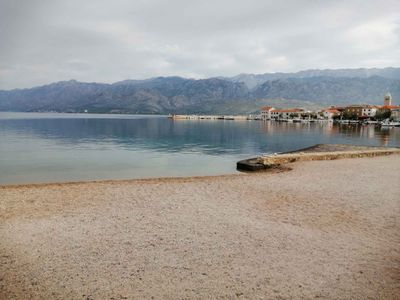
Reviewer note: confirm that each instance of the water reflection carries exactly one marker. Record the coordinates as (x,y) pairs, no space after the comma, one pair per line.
(211,137)
(73,147)
(333,133)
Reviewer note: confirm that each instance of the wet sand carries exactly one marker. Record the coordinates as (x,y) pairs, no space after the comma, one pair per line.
(326,229)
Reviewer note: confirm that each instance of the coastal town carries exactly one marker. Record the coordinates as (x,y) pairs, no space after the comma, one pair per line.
(382,115)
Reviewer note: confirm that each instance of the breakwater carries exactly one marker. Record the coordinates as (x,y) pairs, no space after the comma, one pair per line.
(317,152)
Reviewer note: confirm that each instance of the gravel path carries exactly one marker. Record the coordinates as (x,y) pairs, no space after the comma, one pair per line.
(326,229)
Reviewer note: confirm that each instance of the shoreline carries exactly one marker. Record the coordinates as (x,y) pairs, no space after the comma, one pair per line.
(275,163)
(101,181)
(145,180)
(278,235)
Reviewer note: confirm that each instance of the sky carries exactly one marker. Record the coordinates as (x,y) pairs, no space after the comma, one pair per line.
(43,41)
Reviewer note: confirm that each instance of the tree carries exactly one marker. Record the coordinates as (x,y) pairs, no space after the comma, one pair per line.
(349,116)
(382,114)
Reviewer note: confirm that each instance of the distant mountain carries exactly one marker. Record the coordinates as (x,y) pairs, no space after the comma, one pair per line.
(168,95)
(164,95)
(157,95)
(59,96)
(253,80)
(330,90)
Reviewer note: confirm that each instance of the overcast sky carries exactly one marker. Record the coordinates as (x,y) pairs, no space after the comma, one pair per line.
(43,41)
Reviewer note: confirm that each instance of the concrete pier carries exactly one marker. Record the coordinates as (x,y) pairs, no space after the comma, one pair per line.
(317,152)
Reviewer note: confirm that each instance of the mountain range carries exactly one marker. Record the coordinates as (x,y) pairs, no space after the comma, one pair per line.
(244,93)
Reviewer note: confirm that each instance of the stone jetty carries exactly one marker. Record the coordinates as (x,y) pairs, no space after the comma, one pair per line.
(316,152)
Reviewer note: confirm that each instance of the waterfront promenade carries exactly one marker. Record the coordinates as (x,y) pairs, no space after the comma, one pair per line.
(326,229)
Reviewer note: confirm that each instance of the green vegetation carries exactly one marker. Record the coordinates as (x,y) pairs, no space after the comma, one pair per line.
(382,115)
(350,116)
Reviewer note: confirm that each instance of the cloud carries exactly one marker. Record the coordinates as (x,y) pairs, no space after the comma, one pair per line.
(106,41)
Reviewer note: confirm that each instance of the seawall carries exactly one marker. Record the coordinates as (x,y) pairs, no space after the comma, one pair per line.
(317,152)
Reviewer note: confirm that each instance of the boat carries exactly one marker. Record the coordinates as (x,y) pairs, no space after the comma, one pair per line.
(369,122)
(388,123)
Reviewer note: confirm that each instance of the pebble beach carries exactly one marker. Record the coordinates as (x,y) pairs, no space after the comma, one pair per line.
(324,229)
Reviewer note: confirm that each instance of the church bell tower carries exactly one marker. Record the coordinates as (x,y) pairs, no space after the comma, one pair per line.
(387,101)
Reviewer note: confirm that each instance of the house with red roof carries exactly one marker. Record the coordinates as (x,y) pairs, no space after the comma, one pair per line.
(286,113)
(266,112)
(369,111)
(330,113)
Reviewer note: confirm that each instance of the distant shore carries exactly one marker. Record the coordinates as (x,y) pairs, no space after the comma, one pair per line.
(293,234)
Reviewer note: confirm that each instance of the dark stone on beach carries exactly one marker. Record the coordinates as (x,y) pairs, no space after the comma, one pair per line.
(252,164)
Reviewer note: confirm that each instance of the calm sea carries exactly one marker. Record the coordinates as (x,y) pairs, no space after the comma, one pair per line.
(44,147)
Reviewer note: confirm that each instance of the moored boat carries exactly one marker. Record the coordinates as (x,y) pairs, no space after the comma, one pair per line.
(388,123)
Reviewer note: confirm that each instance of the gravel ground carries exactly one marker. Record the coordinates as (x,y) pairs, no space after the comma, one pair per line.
(326,229)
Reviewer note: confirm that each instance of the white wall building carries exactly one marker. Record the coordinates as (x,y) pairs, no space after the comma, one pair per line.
(286,113)
(369,111)
(266,112)
(330,113)
(395,114)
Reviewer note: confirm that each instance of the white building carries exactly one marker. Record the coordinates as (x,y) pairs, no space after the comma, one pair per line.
(266,112)
(286,113)
(369,111)
(330,113)
(395,114)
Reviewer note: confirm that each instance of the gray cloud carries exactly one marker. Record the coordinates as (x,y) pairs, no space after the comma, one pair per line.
(106,41)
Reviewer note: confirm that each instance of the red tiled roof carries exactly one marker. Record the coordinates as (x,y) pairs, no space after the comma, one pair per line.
(362,106)
(390,106)
(266,108)
(331,110)
(355,106)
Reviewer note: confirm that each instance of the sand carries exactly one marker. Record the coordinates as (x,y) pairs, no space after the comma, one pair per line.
(326,229)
